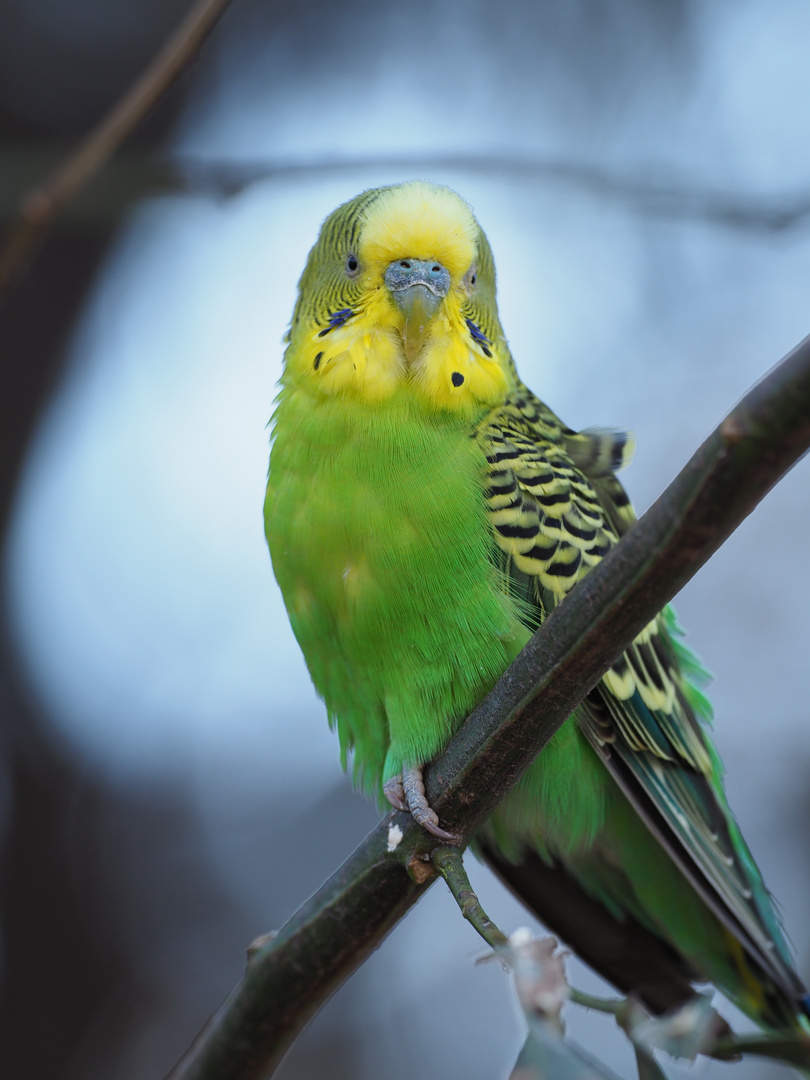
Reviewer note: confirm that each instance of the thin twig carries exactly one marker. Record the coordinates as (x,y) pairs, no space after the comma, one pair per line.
(611,1006)
(449,861)
(40,207)
(290,977)
(792,1047)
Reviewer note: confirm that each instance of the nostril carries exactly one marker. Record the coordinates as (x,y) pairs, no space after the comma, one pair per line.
(407,271)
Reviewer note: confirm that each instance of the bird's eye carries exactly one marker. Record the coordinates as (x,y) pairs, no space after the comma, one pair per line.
(352,265)
(470,278)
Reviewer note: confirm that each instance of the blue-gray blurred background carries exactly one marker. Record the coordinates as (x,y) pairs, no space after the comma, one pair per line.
(168,785)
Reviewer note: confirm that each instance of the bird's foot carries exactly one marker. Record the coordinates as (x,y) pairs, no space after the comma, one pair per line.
(395,793)
(407,792)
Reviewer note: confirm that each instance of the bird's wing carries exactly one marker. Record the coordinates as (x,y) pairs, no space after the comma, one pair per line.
(556,509)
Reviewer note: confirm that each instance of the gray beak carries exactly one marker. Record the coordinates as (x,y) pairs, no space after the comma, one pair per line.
(417,287)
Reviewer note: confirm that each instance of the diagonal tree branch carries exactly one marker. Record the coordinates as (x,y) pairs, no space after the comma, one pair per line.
(291,974)
(42,206)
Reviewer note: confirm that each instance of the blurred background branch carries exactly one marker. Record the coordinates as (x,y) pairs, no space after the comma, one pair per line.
(133,176)
(40,207)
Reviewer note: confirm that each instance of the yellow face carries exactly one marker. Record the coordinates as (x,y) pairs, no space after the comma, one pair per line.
(399,293)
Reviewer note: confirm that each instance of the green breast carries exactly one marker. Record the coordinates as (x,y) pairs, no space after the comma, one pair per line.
(377,529)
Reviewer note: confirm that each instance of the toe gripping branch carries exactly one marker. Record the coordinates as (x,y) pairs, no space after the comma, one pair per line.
(406,792)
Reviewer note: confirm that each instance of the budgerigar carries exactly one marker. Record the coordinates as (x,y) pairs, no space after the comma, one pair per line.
(424,512)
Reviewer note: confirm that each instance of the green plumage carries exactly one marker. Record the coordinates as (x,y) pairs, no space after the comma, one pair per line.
(373,609)
(424,512)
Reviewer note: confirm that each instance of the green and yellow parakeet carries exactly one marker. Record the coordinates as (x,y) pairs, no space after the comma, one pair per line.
(424,512)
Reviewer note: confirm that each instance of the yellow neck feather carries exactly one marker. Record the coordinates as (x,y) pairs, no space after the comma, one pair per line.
(365,359)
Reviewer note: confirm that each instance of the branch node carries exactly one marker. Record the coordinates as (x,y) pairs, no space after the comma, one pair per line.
(734,429)
(259,943)
(420,869)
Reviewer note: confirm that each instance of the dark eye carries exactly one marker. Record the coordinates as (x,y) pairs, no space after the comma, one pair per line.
(473,279)
(352,265)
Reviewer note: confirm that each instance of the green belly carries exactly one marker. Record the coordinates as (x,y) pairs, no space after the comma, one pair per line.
(379,539)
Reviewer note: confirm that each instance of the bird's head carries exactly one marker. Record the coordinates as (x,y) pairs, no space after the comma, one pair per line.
(398,295)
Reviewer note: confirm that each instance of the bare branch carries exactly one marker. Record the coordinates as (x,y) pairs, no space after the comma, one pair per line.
(290,977)
(449,861)
(41,206)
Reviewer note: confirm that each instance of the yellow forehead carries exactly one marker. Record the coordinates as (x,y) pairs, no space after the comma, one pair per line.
(420,221)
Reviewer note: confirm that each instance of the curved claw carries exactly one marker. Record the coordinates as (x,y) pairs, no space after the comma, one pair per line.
(413,788)
(430,823)
(395,793)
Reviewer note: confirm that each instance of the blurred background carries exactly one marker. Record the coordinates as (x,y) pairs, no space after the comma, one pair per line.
(168,785)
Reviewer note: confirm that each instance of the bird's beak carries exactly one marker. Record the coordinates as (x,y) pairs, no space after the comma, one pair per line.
(417,287)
